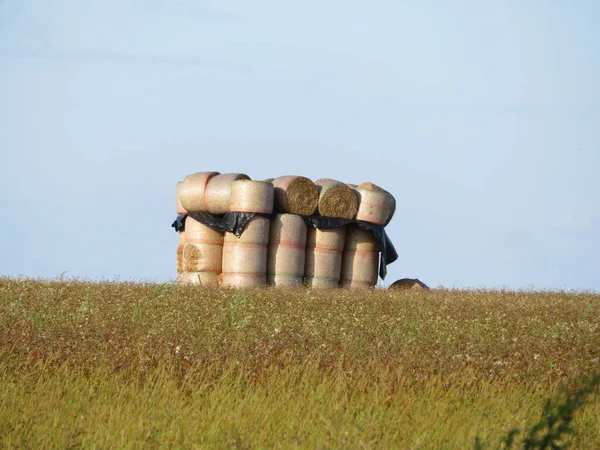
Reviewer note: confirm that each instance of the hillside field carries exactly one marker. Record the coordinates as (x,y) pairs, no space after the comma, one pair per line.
(125,365)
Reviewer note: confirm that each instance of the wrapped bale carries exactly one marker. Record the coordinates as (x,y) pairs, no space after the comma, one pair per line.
(251,196)
(202,249)
(192,189)
(286,252)
(198,279)
(245,258)
(324,257)
(360,261)
(295,195)
(218,192)
(180,251)
(376,205)
(336,199)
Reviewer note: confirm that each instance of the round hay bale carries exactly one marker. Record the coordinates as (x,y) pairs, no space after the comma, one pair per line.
(376,205)
(181,237)
(179,207)
(245,258)
(192,189)
(324,257)
(251,196)
(336,199)
(286,251)
(295,195)
(198,279)
(202,258)
(218,192)
(197,233)
(360,261)
(409,284)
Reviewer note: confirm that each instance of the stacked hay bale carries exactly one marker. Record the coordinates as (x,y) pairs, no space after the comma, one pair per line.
(278,249)
(286,254)
(324,250)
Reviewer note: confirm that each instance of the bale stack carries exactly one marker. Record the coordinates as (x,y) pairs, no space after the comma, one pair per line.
(376,205)
(324,257)
(360,261)
(286,253)
(202,253)
(245,258)
(218,192)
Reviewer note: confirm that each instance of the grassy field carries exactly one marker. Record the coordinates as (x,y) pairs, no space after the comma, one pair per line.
(120,365)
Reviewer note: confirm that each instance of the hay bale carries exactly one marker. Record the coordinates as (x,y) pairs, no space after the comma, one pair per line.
(376,205)
(197,233)
(336,199)
(324,250)
(192,190)
(218,192)
(180,258)
(179,207)
(251,196)
(295,195)
(409,284)
(245,258)
(286,251)
(198,279)
(206,258)
(360,260)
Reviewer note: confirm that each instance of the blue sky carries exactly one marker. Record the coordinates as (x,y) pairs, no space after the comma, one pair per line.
(482,118)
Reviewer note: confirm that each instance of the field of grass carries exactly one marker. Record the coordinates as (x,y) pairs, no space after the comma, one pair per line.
(123,365)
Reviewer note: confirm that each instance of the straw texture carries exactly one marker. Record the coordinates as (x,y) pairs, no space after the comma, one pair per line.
(218,192)
(324,257)
(376,205)
(295,195)
(180,258)
(245,258)
(409,284)
(198,279)
(203,248)
(192,189)
(360,261)
(251,196)
(286,251)
(336,199)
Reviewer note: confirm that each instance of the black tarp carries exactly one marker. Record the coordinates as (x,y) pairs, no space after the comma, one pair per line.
(236,223)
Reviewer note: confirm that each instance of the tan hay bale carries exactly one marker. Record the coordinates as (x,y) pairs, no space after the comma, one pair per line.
(198,279)
(376,205)
(197,233)
(286,251)
(336,199)
(245,258)
(409,284)
(218,192)
(179,207)
(202,258)
(251,196)
(295,195)
(181,236)
(192,190)
(324,257)
(360,261)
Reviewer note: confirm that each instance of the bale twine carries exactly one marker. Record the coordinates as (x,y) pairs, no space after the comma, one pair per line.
(197,279)
(218,192)
(360,261)
(251,196)
(336,199)
(286,251)
(295,195)
(324,257)
(178,205)
(192,189)
(245,258)
(202,248)
(376,205)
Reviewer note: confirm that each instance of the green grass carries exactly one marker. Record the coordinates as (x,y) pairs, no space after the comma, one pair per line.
(120,365)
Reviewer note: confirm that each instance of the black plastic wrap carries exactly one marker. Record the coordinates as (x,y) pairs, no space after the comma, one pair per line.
(236,223)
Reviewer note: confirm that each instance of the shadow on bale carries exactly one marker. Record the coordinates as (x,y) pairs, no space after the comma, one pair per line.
(409,284)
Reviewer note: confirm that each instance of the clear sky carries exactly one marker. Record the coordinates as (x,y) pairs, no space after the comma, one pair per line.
(482,118)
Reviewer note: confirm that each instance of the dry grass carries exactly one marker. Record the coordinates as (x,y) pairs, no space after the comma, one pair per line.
(142,365)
